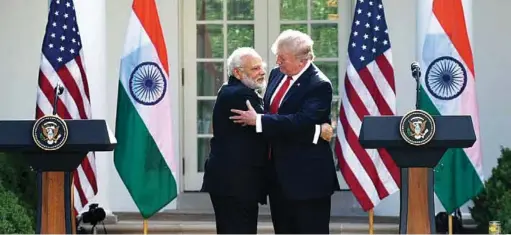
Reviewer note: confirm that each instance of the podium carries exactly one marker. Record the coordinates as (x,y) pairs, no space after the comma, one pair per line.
(417,162)
(55,167)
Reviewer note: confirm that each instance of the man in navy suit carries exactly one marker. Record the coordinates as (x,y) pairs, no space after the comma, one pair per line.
(303,177)
(236,169)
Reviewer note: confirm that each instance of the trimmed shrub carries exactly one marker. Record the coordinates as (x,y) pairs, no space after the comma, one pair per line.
(494,201)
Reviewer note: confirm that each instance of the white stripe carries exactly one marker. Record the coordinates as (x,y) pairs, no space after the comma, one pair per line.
(92,162)
(388,55)
(43,102)
(381,169)
(383,86)
(74,70)
(86,187)
(470,107)
(157,118)
(362,91)
(357,169)
(136,36)
(77,202)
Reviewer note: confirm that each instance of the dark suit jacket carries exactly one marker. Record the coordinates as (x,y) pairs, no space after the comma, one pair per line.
(237,163)
(303,170)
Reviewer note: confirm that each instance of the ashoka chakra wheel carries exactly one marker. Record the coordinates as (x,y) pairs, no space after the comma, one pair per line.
(147,83)
(446,78)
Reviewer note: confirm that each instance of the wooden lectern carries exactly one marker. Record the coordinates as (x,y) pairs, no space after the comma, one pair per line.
(417,214)
(55,167)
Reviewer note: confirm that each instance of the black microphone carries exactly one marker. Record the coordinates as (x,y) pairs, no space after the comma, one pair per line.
(416,70)
(59,89)
(416,73)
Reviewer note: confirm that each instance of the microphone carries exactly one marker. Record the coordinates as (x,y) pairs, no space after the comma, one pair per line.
(59,89)
(416,73)
(416,70)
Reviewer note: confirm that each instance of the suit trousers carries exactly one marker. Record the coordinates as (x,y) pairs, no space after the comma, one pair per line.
(310,216)
(234,215)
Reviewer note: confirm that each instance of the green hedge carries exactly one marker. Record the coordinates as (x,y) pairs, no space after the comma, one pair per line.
(14,217)
(18,195)
(494,202)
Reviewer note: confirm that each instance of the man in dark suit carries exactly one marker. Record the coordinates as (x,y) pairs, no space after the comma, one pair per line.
(235,172)
(304,176)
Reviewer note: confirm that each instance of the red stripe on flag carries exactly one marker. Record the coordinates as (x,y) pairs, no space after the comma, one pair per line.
(352,181)
(361,111)
(387,71)
(361,153)
(72,89)
(47,90)
(78,60)
(391,166)
(78,185)
(371,86)
(87,169)
(38,112)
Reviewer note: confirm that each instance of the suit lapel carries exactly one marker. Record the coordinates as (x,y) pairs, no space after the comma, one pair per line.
(299,85)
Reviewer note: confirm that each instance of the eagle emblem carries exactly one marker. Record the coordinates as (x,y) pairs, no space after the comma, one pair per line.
(417,127)
(50,132)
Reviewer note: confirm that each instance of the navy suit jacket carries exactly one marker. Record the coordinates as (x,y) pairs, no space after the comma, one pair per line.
(238,160)
(304,170)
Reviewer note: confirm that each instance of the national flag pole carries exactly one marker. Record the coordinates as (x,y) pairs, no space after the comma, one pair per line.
(371,221)
(450,223)
(145,226)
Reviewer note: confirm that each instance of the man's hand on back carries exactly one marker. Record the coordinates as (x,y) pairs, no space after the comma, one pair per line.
(245,117)
(326,132)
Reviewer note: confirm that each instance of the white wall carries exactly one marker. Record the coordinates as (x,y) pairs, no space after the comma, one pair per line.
(21,38)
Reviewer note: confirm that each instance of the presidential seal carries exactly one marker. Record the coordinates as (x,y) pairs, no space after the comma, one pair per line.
(50,132)
(417,127)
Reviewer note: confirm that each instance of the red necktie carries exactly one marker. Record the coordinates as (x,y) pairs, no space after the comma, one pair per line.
(274,107)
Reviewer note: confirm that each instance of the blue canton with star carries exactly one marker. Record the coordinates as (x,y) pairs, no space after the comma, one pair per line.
(369,36)
(62,41)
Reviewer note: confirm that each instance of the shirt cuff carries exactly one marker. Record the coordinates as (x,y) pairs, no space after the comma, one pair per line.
(316,134)
(259,126)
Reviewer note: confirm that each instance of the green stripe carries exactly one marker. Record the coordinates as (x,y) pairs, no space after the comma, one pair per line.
(456,180)
(139,162)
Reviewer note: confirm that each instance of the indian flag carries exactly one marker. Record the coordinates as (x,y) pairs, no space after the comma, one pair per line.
(144,155)
(448,88)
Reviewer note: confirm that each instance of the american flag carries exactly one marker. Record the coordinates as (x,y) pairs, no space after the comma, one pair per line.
(369,89)
(62,63)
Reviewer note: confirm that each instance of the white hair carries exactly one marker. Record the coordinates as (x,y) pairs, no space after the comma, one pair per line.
(235,59)
(296,42)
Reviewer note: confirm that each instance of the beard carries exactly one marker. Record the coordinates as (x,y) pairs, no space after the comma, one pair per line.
(252,83)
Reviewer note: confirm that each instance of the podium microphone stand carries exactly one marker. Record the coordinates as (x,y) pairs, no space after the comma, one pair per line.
(416,142)
(54,148)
